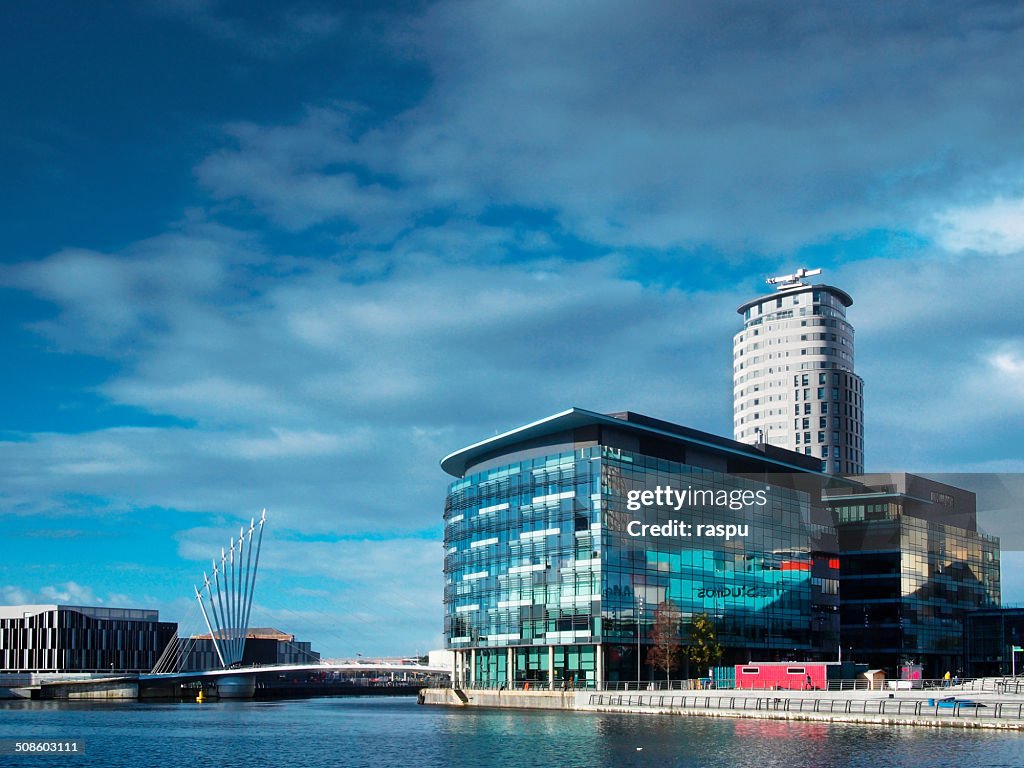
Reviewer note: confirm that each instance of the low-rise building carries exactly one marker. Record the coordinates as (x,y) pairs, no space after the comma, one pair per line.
(78,638)
(263,645)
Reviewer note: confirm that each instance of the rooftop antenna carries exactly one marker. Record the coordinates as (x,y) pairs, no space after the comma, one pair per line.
(786,282)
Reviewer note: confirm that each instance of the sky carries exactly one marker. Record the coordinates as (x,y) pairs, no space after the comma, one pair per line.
(289,255)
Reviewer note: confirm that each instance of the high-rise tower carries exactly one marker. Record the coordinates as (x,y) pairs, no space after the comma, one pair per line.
(794,384)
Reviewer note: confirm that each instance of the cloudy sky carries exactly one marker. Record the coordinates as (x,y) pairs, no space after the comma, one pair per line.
(291,258)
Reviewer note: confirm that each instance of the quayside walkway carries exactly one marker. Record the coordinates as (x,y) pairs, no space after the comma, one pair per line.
(975,705)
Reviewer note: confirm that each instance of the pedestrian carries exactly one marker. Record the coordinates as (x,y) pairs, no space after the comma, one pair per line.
(945,679)
(809,688)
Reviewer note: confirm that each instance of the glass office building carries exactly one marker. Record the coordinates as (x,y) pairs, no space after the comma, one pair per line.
(990,637)
(914,564)
(563,539)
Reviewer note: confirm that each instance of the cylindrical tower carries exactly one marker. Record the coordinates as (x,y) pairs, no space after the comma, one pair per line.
(794,384)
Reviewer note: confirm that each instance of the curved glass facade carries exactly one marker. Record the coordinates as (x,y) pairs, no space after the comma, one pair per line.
(547,567)
(523,568)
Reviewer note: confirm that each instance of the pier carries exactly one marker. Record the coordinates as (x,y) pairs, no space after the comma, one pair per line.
(984,703)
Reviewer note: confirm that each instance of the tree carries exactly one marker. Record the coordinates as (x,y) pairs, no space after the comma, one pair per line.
(666,646)
(703,649)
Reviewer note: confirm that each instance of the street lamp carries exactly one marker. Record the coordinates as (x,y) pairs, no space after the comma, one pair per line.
(639,617)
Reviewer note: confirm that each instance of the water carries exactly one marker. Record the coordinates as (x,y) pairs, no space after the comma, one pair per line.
(376,732)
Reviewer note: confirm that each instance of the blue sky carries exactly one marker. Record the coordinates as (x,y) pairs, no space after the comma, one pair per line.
(289,257)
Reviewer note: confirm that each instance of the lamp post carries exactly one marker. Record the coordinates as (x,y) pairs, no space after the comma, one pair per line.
(639,617)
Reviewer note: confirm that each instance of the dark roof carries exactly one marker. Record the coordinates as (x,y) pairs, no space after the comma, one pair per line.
(455,464)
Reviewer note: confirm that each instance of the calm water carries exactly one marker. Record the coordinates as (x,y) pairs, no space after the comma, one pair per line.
(397,732)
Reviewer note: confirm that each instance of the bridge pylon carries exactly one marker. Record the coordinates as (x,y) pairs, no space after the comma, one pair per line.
(228,594)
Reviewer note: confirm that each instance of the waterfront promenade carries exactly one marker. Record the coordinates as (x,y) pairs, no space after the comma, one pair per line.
(978,704)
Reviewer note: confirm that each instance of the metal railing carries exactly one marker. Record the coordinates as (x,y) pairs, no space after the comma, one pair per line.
(910,707)
(1002,685)
(527,685)
(653,685)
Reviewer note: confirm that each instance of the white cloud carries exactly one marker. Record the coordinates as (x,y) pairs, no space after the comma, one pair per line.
(325,380)
(285,442)
(939,359)
(69,593)
(1006,371)
(327,391)
(994,228)
(768,127)
(11,595)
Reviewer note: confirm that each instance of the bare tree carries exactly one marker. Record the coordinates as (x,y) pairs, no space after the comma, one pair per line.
(667,648)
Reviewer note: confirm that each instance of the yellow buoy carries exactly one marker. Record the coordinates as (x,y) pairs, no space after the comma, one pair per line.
(201,697)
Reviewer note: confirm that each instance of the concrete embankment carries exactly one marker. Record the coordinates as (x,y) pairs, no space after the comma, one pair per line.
(509,699)
(113,688)
(68,686)
(905,708)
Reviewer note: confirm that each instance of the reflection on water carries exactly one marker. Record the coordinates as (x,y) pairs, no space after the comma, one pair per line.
(374,733)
